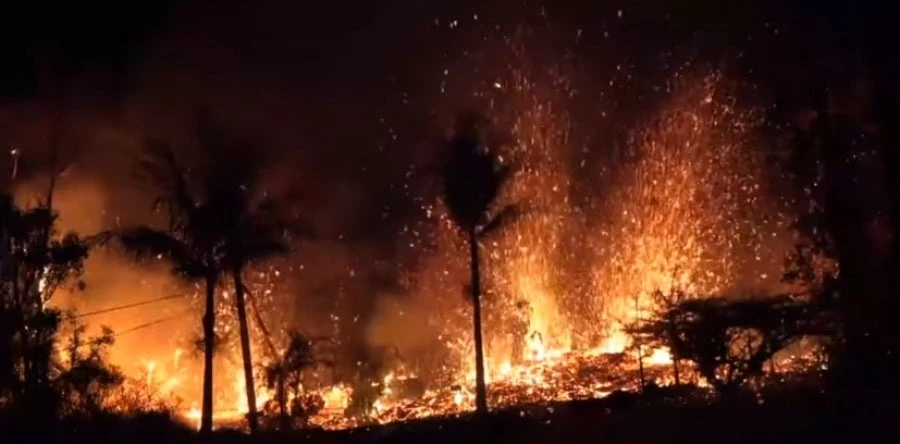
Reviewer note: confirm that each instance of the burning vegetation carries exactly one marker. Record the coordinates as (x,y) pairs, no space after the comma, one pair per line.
(599,272)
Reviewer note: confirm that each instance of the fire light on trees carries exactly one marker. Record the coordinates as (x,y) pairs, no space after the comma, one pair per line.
(681,203)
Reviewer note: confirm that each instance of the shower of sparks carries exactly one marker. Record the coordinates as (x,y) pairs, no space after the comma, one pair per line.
(685,214)
(683,208)
(527,260)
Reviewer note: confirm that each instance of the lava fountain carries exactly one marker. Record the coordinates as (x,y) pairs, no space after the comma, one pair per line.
(681,204)
(684,208)
(526,266)
(688,209)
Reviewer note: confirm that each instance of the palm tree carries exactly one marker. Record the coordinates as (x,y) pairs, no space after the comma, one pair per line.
(193,250)
(222,231)
(248,225)
(250,232)
(472,180)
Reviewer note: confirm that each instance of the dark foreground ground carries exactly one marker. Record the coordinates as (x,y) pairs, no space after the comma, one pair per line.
(797,418)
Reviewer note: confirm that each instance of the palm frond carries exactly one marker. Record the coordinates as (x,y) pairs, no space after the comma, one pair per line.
(70,248)
(507,216)
(101,238)
(146,242)
(473,177)
(163,171)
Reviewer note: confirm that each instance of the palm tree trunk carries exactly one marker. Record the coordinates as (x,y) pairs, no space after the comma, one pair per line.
(209,337)
(252,417)
(282,400)
(481,406)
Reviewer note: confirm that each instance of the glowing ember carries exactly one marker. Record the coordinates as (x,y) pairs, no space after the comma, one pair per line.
(686,214)
(337,398)
(682,208)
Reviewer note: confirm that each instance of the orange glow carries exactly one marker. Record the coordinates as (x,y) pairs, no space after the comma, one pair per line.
(684,211)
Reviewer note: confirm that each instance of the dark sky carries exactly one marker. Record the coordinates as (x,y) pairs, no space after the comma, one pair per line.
(344,95)
(314,47)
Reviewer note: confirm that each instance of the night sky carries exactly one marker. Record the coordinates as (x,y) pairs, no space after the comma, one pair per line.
(345,99)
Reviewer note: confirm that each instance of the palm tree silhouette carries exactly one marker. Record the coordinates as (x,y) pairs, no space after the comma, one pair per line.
(250,229)
(473,178)
(193,250)
(215,231)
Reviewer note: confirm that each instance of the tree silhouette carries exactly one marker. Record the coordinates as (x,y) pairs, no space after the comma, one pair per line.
(731,340)
(883,69)
(859,289)
(86,380)
(193,250)
(35,261)
(662,329)
(249,227)
(286,375)
(217,226)
(473,178)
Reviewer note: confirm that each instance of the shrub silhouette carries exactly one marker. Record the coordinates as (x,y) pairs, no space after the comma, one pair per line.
(729,341)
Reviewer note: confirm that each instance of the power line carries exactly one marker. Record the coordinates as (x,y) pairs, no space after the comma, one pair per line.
(116,334)
(123,307)
(151,323)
